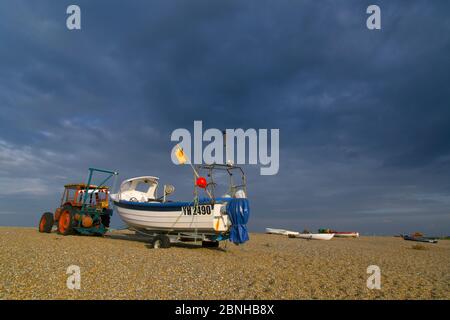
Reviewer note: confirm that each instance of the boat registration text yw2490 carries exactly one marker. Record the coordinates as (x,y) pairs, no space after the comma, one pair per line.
(197,210)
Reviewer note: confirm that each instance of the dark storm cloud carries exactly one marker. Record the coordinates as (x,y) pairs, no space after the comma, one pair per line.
(363,115)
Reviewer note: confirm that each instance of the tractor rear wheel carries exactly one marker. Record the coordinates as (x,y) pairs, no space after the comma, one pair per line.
(65,222)
(46,222)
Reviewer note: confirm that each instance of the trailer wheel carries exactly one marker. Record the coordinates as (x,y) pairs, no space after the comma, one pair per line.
(65,222)
(46,222)
(161,241)
(210,244)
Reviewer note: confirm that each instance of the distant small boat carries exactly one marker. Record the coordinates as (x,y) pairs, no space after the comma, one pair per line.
(312,236)
(346,234)
(342,234)
(291,233)
(420,239)
(280,231)
(275,231)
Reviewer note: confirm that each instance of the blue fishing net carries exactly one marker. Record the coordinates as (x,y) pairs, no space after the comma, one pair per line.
(239,211)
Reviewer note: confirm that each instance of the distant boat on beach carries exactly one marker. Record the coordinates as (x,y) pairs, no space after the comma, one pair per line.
(346,234)
(280,231)
(312,236)
(419,239)
(304,235)
(340,234)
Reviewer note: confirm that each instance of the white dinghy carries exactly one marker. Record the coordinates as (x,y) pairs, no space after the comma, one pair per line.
(312,236)
(280,231)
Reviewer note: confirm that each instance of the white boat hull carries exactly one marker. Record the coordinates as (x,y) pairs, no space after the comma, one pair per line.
(313,236)
(280,231)
(173,218)
(275,231)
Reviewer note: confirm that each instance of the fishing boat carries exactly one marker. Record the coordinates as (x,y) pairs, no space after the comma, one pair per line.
(212,218)
(312,236)
(346,234)
(280,231)
(290,233)
(420,239)
(275,231)
(341,234)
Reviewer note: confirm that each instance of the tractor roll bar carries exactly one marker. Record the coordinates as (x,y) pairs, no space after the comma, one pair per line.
(91,173)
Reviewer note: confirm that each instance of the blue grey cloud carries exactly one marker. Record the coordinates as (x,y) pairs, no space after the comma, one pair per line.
(363,115)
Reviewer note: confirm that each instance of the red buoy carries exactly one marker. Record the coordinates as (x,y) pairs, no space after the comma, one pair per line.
(201,182)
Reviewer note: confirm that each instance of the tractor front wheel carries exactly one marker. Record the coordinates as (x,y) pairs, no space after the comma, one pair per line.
(46,222)
(65,222)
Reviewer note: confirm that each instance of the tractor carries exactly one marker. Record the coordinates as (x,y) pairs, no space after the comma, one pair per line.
(84,208)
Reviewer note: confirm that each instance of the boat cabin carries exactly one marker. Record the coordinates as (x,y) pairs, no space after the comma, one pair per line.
(140,189)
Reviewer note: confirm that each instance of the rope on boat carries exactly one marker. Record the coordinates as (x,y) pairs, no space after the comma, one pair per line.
(195,203)
(176,221)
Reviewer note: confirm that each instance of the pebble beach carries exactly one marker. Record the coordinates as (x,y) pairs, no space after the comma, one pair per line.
(122,265)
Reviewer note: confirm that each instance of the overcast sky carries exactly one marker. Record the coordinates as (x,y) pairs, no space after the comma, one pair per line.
(363,115)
